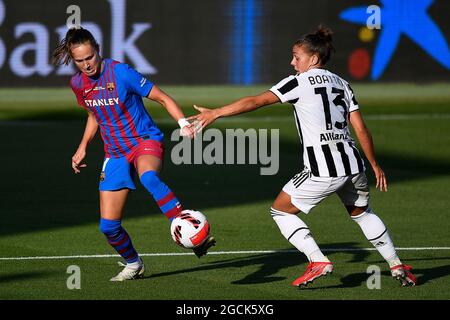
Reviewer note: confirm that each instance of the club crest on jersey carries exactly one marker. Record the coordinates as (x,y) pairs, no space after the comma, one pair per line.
(110,86)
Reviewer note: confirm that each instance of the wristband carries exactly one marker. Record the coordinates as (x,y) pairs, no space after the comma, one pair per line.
(183,123)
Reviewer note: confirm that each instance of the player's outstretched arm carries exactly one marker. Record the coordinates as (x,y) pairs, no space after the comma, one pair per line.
(159,96)
(366,142)
(89,133)
(247,104)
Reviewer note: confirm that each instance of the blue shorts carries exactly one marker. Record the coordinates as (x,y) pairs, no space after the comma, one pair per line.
(117,173)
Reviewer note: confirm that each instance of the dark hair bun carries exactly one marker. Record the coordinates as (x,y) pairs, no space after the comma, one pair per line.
(324,33)
(319,42)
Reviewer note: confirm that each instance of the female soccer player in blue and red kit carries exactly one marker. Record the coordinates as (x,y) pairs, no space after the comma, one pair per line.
(111,92)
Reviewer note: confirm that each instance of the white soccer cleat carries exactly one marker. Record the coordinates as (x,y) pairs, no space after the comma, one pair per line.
(130,273)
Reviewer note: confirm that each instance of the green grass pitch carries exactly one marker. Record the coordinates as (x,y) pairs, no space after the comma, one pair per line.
(47,211)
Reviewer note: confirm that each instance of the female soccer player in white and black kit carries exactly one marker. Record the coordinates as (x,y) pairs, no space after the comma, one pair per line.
(324,106)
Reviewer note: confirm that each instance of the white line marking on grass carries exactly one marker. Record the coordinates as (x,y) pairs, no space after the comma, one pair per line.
(209,253)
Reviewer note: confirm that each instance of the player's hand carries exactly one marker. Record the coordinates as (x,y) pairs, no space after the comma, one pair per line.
(381,178)
(77,160)
(188,131)
(204,118)
(186,128)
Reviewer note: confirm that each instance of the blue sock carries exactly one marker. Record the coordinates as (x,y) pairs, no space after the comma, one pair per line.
(118,238)
(164,197)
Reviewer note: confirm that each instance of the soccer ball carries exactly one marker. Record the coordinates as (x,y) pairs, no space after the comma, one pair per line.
(189,229)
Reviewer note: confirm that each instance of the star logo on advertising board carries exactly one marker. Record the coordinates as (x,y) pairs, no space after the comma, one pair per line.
(398,18)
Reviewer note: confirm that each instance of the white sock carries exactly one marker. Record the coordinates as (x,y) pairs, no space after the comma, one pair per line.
(297,233)
(377,233)
(135,265)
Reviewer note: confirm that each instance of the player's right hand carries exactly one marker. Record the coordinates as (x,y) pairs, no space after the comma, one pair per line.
(202,119)
(77,160)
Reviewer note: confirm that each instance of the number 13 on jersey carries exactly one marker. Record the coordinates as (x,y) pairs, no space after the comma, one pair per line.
(337,101)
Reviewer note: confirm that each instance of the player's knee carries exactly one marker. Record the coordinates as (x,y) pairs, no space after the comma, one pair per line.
(356,211)
(283,203)
(110,227)
(284,209)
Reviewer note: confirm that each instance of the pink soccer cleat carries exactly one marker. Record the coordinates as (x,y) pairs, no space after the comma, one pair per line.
(402,272)
(313,271)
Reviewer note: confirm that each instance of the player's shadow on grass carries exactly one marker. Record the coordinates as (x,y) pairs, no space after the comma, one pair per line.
(270,264)
(281,260)
(426,274)
(24,276)
(353,280)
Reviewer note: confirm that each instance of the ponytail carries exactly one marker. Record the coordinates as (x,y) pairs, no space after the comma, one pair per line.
(62,53)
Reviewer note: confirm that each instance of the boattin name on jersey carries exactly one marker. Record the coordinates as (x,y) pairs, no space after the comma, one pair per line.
(321,79)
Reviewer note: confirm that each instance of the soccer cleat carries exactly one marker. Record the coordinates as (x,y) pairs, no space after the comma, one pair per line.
(402,273)
(130,273)
(313,271)
(203,248)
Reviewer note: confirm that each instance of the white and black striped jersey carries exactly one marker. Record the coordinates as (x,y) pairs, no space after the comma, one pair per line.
(322,102)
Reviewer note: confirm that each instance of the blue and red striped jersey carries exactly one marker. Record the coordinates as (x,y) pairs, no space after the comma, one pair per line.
(115,98)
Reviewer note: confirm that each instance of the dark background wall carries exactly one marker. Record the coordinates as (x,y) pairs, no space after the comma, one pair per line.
(218,41)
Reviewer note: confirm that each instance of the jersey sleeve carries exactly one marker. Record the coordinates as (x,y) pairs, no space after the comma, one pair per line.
(133,80)
(284,89)
(353,104)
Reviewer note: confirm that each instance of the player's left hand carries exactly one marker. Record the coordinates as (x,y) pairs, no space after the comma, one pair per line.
(381,178)
(204,118)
